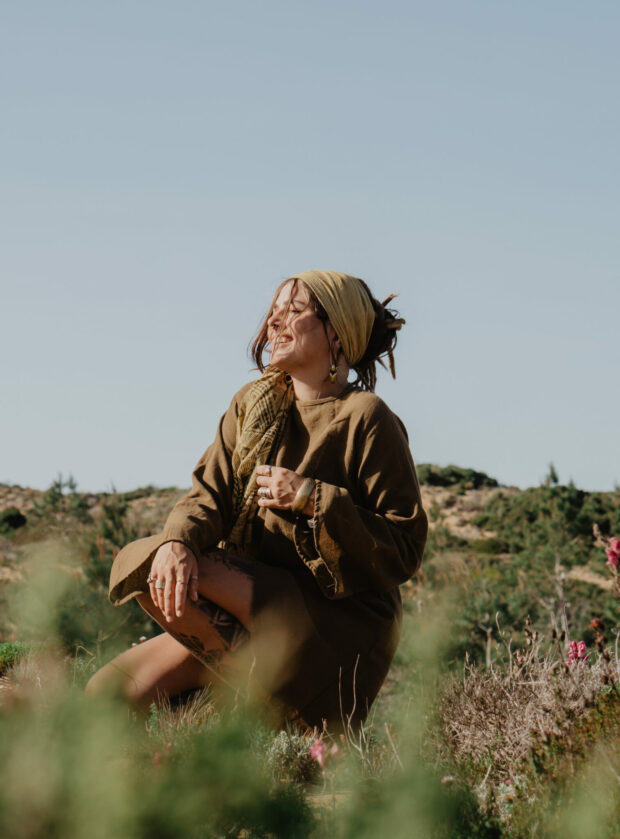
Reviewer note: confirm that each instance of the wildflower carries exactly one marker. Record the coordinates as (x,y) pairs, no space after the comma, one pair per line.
(318,751)
(613,557)
(577,652)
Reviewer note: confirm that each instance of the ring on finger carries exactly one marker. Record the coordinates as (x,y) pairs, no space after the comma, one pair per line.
(264,492)
(151,579)
(159,584)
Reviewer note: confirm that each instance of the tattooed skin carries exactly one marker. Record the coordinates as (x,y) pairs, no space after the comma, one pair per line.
(233,562)
(230,630)
(212,658)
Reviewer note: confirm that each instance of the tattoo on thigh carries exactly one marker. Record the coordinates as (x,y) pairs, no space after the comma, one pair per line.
(211,658)
(233,562)
(231,631)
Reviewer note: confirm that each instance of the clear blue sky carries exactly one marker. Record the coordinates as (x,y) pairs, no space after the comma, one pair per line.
(164,165)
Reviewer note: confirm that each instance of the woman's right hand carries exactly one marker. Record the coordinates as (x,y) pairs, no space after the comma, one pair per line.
(175,565)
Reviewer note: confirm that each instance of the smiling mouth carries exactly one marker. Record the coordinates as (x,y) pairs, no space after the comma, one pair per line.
(281,341)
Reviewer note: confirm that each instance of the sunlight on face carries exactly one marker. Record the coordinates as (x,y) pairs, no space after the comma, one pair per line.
(298,339)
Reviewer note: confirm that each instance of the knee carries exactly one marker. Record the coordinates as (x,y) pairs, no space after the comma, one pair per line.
(100,683)
(116,682)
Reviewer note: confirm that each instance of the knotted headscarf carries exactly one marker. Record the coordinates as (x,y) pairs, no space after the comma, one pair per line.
(348,308)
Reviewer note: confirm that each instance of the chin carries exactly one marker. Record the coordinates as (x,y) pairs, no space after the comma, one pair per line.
(280,361)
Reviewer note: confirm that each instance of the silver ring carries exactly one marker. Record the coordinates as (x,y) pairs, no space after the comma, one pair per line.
(159,584)
(180,582)
(151,579)
(269,471)
(264,492)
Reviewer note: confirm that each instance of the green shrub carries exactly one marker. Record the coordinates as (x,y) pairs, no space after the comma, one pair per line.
(446,476)
(11,519)
(11,652)
(488,546)
(61,502)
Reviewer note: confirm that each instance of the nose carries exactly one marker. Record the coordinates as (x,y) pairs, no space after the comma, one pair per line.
(274,318)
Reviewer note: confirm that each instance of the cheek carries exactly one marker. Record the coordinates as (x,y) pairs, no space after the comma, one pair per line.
(308,328)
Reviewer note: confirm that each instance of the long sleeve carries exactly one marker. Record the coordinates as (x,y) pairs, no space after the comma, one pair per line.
(371,538)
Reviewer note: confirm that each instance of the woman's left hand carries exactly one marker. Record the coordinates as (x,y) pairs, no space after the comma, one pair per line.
(282,485)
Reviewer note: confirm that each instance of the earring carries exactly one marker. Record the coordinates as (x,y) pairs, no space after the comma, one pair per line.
(333,372)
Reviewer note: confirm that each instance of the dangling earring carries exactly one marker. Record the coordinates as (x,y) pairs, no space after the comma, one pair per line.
(333,372)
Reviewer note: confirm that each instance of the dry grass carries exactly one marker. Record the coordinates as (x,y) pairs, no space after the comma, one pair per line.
(493,718)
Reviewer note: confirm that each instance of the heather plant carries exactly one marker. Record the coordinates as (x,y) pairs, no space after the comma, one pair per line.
(520,729)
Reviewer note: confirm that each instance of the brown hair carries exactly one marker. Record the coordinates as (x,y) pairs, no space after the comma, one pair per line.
(381,343)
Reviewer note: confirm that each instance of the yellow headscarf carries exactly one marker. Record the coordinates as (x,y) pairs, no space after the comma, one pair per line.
(348,308)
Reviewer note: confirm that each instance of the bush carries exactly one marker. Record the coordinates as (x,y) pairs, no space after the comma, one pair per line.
(488,546)
(11,652)
(446,476)
(11,519)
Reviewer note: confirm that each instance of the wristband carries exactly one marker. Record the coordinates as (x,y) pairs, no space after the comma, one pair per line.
(303,494)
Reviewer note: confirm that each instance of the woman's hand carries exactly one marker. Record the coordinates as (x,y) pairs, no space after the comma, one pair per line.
(283,485)
(177,567)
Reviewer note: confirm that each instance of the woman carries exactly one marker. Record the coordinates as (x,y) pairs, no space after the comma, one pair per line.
(282,564)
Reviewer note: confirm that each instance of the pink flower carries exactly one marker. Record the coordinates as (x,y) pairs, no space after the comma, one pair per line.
(614,545)
(613,557)
(577,652)
(318,751)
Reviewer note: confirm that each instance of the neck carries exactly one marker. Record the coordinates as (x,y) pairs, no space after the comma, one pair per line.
(307,387)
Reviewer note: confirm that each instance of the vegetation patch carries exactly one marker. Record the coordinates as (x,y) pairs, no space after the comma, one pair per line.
(500,717)
(447,476)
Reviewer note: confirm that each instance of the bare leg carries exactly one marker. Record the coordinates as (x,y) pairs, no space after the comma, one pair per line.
(150,672)
(188,654)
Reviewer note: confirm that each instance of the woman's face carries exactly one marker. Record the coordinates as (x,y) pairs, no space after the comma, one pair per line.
(297,338)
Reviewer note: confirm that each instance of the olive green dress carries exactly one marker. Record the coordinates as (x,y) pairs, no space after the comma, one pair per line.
(326,605)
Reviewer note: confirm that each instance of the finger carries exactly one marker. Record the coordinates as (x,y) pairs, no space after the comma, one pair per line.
(169,597)
(160,585)
(271,502)
(150,580)
(180,591)
(264,469)
(265,494)
(263,481)
(159,591)
(153,576)
(193,581)
(156,574)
